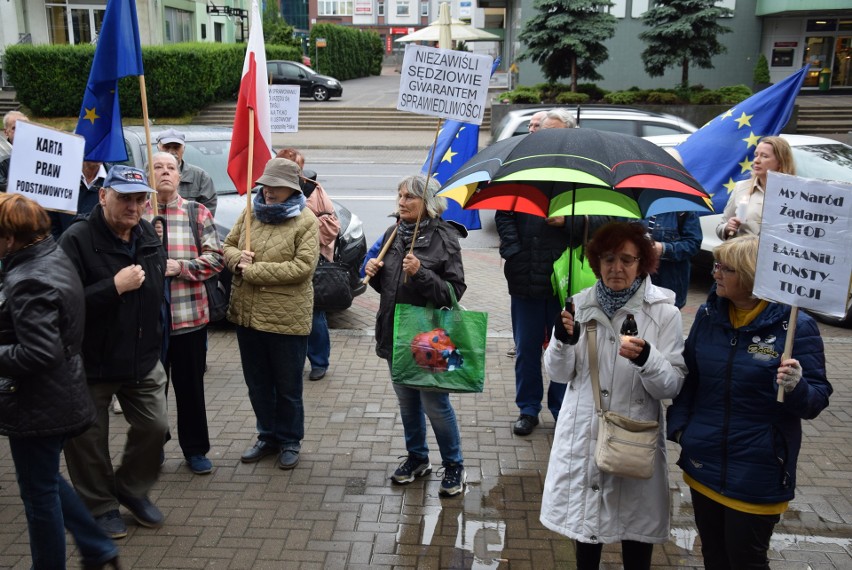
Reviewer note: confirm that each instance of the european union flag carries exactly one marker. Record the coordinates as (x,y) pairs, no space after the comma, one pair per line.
(118,54)
(456,143)
(720,153)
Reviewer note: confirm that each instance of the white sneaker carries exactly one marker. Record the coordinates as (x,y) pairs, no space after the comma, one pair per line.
(116,406)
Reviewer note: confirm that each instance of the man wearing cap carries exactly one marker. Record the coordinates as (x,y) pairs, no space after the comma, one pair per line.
(121,262)
(195,183)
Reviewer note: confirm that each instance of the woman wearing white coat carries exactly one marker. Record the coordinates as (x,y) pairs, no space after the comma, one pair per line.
(635,373)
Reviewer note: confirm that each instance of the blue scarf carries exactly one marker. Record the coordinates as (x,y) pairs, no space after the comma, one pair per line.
(277,213)
(610,301)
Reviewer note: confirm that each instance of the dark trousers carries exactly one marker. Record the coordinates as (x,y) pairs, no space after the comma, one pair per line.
(732,539)
(187,357)
(635,555)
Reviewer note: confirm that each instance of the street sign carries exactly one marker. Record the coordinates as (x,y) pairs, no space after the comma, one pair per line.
(320,42)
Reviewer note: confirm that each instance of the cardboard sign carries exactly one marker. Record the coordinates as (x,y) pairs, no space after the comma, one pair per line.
(284,108)
(804,258)
(444,83)
(46,166)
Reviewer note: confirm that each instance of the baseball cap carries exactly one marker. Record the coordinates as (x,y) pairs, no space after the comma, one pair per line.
(171,136)
(127,180)
(281,172)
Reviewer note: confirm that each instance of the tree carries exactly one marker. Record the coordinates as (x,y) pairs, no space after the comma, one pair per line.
(683,32)
(276,30)
(566,38)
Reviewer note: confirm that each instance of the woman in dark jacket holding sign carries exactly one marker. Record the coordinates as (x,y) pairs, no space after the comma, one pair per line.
(43,393)
(739,445)
(420,277)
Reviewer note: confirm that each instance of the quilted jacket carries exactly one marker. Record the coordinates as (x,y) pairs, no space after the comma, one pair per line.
(276,293)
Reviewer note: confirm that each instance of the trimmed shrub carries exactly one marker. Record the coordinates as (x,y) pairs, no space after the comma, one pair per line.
(349,52)
(661,98)
(708,98)
(594,92)
(569,98)
(623,98)
(733,94)
(761,70)
(523,95)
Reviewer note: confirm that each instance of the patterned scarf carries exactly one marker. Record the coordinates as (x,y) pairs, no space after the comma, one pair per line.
(277,213)
(406,231)
(610,301)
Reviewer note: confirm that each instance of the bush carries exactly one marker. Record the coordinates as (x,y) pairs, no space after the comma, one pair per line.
(661,98)
(708,98)
(733,94)
(761,70)
(569,98)
(594,92)
(550,92)
(623,98)
(349,52)
(523,95)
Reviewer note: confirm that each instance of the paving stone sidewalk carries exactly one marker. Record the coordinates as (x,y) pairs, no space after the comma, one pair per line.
(337,509)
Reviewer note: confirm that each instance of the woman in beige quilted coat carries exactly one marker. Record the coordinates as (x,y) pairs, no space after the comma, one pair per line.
(272,299)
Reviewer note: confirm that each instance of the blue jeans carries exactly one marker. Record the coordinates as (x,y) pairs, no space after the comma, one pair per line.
(272,367)
(532,325)
(51,506)
(414,406)
(319,343)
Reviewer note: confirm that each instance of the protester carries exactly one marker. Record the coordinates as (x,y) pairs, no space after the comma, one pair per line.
(559,118)
(536,120)
(319,341)
(195,183)
(739,446)
(271,303)
(187,268)
(41,328)
(420,277)
(635,373)
(677,239)
(121,262)
(530,244)
(744,210)
(9,120)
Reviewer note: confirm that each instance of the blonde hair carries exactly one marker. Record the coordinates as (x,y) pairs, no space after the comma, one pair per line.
(783,153)
(740,254)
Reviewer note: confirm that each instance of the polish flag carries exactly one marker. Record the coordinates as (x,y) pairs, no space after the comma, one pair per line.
(254,94)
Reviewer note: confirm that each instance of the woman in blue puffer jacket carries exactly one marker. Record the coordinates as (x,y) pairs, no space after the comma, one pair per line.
(739,446)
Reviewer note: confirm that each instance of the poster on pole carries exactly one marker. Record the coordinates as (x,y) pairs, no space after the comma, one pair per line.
(284,108)
(804,258)
(46,166)
(444,83)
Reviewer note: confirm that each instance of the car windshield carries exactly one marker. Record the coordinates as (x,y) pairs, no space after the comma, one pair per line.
(825,161)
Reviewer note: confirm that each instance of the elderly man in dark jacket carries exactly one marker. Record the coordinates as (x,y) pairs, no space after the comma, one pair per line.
(121,263)
(530,244)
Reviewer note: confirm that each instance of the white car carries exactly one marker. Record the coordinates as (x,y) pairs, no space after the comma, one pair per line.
(815,157)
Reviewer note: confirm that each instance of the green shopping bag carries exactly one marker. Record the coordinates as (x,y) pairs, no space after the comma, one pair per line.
(439,349)
(582,275)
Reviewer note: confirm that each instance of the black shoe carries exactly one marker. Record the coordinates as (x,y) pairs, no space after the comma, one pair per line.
(112,524)
(288,459)
(317,374)
(143,510)
(258,451)
(525,424)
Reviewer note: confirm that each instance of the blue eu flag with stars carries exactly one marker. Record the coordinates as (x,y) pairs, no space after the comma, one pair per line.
(118,54)
(721,153)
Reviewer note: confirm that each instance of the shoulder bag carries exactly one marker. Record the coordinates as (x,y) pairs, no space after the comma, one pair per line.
(625,447)
(332,289)
(217,297)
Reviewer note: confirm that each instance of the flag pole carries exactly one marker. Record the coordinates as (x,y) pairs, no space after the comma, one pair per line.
(428,178)
(151,182)
(247,223)
(788,346)
(382,253)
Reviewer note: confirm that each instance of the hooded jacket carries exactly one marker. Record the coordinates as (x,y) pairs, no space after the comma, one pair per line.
(579,501)
(736,439)
(41,329)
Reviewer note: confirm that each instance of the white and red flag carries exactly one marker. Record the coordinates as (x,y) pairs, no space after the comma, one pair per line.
(251,121)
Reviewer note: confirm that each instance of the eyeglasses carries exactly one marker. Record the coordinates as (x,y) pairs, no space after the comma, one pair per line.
(723,268)
(625,259)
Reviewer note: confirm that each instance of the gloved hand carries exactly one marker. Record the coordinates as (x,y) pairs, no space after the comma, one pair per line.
(789,374)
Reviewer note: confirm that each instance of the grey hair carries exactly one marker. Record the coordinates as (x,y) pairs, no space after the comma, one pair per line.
(164,153)
(417,185)
(563,115)
(17,115)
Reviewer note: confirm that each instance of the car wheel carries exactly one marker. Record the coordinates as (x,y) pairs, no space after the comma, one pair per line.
(320,93)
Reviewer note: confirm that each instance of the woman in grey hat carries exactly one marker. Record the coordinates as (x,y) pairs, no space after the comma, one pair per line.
(272,302)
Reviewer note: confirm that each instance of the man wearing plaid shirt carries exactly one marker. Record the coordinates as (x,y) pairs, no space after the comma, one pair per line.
(187,268)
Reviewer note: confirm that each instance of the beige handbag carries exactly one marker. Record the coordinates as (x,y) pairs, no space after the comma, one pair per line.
(625,447)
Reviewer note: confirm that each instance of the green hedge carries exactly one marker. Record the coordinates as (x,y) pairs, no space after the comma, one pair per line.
(179,79)
(349,52)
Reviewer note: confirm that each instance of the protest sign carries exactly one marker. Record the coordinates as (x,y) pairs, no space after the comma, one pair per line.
(284,108)
(46,166)
(804,258)
(444,83)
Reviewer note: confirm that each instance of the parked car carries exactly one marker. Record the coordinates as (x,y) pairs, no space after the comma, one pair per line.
(610,118)
(815,157)
(208,148)
(311,83)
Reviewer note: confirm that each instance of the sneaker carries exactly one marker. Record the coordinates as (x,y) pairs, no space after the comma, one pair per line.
(112,524)
(143,510)
(410,469)
(317,374)
(199,464)
(116,406)
(453,480)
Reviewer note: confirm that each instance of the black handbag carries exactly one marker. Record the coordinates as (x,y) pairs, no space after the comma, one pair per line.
(217,297)
(332,290)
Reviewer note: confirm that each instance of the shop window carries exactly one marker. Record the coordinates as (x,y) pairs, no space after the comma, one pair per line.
(821,25)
